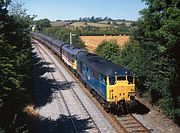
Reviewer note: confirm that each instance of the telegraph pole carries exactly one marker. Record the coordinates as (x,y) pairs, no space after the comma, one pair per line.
(70,36)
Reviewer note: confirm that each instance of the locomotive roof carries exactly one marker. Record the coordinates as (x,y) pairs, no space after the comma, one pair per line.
(101,65)
(71,49)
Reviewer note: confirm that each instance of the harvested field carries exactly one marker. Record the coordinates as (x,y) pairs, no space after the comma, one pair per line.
(92,42)
(83,24)
(59,23)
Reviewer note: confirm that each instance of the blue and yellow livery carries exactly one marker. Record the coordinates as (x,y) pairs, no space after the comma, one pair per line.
(114,84)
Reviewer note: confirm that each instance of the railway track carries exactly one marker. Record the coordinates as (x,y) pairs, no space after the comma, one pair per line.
(72,89)
(128,122)
(75,96)
(57,86)
(131,124)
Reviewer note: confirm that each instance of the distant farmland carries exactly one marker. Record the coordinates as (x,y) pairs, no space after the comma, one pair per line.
(83,24)
(92,42)
(59,23)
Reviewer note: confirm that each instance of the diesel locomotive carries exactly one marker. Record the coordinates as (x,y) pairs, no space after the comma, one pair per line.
(111,84)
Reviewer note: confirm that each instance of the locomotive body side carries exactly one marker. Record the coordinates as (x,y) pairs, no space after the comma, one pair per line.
(111,82)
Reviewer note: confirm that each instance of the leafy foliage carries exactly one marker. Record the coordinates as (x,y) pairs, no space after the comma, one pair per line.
(63,34)
(98,31)
(15,66)
(158,36)
(42,24)
(108,50)
(94,19)
(153,55)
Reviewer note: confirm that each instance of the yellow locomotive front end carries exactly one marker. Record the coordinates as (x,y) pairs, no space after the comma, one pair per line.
(120,91)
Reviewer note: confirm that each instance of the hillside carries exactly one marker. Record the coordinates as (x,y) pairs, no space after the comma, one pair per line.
(59,23)
(84,24)
(96,22)
(127,23)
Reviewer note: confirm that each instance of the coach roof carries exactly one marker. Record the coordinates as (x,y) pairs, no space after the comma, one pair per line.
(101,65)
(58,43)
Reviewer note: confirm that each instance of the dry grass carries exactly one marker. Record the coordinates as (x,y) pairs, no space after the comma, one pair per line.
(78,24)
(58,23)
(92,42)
(31,111)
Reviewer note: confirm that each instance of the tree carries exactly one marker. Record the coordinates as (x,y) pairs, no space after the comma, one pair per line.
(157,38)
(109,22)
(63,34)
(42,24)
(153,54)
(92,19)
(108,50)
(15,66)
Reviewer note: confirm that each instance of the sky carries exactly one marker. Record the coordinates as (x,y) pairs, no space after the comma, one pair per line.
(74,9)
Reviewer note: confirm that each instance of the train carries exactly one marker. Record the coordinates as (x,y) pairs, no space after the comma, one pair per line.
(111,84)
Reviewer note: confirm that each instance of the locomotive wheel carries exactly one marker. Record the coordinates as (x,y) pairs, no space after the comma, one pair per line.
(121,109)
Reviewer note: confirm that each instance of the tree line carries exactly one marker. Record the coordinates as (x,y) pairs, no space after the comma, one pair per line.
(152,54)
(100,31)
(94,19)
(62,33)
(90,30)
(15,66)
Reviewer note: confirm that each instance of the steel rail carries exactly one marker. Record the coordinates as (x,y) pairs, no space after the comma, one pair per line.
(72,89)
(57,86)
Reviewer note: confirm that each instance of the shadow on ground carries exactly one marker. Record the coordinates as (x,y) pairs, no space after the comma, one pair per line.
(63,125)
(140,108)
(43,85)
(43,90)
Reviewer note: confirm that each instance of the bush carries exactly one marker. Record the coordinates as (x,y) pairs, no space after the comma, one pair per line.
(108,50)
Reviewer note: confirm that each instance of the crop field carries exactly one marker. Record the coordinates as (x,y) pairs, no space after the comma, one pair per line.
(83,24)
(92,42)
(59,23)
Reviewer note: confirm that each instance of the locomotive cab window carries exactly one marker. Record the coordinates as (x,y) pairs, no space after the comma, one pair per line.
(112,80)
(121,78)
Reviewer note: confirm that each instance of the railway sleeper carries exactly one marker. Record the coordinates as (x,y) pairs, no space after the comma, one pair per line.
(133,127)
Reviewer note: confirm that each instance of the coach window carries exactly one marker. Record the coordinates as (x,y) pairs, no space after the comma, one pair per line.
(103,79)
(96,75)
(80,65)
(73,57)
